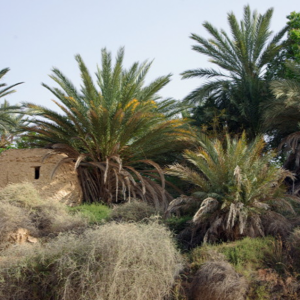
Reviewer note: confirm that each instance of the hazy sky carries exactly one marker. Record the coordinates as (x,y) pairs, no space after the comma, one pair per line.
(37,35)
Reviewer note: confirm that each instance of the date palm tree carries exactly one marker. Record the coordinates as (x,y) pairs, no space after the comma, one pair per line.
(112,131)
(238,184)
(239,85)
(12,119)
(6,90)
(9,117)
(282,117)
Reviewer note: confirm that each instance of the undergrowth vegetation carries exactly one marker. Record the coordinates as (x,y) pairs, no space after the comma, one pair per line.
(242,254)
(23,207)
(113,261)
(94,212)
(269,265)
(133,211)
(238,185)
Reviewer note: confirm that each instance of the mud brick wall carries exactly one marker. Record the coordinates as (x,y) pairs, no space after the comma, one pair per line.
(27,165)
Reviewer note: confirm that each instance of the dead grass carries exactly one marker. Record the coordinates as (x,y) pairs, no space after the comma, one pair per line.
(113,262)
(217,280)
(22,207)
(21,194)
(11,219)
(133,211)
(294,243)
(276,224)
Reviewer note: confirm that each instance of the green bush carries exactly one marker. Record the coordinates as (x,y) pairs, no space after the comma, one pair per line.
(115,261)
(245,254)
(95,213)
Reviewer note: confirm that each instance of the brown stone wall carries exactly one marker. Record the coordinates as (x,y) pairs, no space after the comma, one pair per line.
(27,165)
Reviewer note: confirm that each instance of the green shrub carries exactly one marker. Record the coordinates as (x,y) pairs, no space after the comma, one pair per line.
(133,211)
(245,254)
(95,213)
(115,261)
(177,224)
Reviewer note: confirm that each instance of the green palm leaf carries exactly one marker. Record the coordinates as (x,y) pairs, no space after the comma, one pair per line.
(113,128)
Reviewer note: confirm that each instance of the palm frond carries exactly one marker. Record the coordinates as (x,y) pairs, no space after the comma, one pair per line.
(111,129)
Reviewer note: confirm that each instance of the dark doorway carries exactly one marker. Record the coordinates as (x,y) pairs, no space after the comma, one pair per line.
(37,172)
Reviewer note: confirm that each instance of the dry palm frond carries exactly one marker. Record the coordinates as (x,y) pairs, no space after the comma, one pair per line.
(181,205)
(209,205)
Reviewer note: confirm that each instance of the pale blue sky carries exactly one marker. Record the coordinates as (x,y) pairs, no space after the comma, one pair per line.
(39,34)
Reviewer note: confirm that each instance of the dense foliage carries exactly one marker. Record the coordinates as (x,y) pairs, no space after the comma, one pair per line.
(241,181)
(9,117)
(111,132)
(236,91)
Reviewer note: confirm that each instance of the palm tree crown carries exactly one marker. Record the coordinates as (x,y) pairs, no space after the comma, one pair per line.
(9,117)
(238,180)
(241,88)
(6,90)
(112,129)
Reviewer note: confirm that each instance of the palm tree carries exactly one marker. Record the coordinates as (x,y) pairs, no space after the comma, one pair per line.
(7,118)
(282,117)
(282,114)
(238,184)
(240,88)
(112,132)
(6,90)
(12,119)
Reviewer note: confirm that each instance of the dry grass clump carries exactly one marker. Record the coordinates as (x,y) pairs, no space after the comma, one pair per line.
(115,261)
(217,280)
(276,224)
(294,243)
(21,194)
(133,211)
(22,207)
(11,219)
